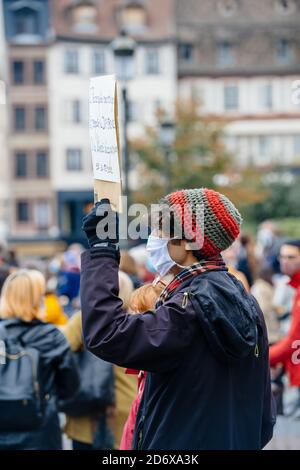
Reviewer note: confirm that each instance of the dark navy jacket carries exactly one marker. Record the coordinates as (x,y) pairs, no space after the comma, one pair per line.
(208,382)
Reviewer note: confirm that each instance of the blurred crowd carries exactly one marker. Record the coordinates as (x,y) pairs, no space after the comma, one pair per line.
(95,403)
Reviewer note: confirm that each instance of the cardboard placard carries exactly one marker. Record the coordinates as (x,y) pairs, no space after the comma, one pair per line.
(104,137)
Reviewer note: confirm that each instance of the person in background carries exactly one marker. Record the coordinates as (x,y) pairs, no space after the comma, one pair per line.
(68,283)
(3,254)
(284,295)
(128,266)
(269,240)
(246,259)
(139,254)
(285,351)
(11,259)
(263,291)
(82,429)
(141,300)
(230,258)
(21,308)
(4,273)
(125,385)
(54,312)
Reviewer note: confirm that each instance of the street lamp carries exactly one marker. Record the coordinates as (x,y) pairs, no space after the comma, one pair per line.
(167,134)
(123,49)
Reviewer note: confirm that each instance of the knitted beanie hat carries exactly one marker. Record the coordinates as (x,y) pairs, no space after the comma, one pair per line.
(213,218)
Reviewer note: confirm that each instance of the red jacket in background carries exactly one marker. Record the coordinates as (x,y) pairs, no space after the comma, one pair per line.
(287,351)
(128,432)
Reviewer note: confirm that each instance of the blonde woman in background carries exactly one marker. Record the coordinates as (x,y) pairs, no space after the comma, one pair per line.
(52,311)
(82,429)
(21,310)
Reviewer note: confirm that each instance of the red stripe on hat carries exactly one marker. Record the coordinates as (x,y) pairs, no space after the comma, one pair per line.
(222,214)
(209,249)
(178,201)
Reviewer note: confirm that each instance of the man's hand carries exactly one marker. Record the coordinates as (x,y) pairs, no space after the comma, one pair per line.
(101,227)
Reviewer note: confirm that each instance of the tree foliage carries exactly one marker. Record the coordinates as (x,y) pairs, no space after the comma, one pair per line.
(197,154)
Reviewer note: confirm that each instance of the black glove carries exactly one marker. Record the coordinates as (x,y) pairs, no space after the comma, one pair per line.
(101,227)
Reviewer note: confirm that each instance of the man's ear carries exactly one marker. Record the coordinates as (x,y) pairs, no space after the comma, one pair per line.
(187,245)
(176,241)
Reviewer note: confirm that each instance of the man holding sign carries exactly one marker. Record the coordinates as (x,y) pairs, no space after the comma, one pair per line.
(205,346)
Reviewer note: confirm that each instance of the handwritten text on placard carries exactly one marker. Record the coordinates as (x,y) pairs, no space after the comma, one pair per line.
(102,128)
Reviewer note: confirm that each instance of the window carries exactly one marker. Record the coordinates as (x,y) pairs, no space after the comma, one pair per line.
(267,96)
(42,214)
(284,52)
(152,65)
(71,61)
(26,21)
(38,72)
(84,18)
(20,165)
(41,165)
(297,145)
(73,110)
(20,117)
(286,7)
(227,7)
(18,72)
(225,54)
(264,146)
(22,211)
(132,114)
(231,97)
(40,118)
(74,160)
(186,52)
(133,18)
(98,62)
(76,111)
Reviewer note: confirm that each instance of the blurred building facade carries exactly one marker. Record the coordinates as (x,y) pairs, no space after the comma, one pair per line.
(81,49)
(53,48)
(32,203)
(4,188)
(240,59)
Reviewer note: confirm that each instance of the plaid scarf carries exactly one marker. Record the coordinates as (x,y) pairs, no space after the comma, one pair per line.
(188,272)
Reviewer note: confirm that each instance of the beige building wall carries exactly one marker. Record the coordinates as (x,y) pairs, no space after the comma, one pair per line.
(37,191)
(145,93)
(256,132)
(4,187)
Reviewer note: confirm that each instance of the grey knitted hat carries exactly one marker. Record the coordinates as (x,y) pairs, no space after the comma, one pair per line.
(214,218)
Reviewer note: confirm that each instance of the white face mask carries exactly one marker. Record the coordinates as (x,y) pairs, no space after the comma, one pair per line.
(159,256)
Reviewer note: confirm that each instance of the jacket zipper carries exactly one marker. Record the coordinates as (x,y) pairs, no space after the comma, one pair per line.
(256,349)
(185,299)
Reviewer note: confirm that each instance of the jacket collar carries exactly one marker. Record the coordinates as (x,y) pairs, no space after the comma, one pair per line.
(295,280)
